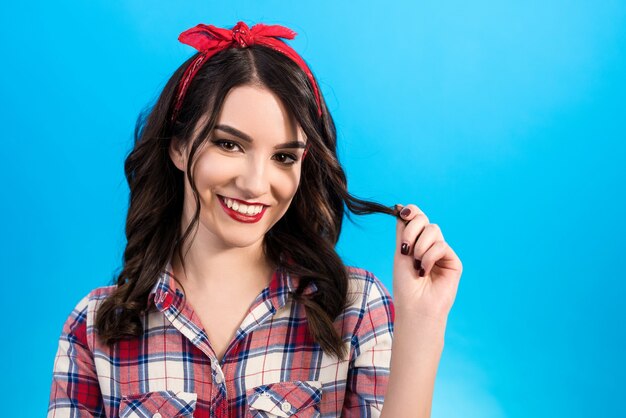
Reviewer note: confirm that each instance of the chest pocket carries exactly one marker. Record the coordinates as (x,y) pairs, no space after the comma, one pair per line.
(285,399)
(159,404)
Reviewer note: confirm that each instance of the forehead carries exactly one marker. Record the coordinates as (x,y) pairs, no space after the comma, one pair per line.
(259,112)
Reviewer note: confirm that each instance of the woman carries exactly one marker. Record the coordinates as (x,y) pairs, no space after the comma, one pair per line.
(232,300)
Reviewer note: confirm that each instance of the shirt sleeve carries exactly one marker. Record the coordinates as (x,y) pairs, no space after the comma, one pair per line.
(75,390)
(368,375)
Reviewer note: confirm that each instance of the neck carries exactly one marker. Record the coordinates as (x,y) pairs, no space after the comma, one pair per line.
(208,267)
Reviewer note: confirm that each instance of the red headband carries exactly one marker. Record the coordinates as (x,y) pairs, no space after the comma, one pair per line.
(210,40)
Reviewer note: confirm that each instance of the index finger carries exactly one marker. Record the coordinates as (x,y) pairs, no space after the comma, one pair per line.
(413,212)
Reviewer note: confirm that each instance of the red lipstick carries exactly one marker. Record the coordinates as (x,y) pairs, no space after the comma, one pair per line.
(240,216)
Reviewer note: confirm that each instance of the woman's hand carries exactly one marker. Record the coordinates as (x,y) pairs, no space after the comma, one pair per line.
(422,303)
(426,271)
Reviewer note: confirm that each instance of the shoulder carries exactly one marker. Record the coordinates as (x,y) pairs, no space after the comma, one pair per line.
(79,325)
(89,303)
(368,297)
(365,288)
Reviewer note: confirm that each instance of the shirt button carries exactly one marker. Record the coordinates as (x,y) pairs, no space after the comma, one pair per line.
(265,395)
(218,379)
(285,406)
(157,415)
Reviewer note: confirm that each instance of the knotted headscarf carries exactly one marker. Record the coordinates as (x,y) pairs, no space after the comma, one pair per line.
(210,40)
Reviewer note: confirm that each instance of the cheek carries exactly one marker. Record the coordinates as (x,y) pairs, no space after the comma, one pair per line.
(212,172)
(287,185)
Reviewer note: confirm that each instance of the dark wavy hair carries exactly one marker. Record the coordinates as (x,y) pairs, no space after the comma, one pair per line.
(306,234)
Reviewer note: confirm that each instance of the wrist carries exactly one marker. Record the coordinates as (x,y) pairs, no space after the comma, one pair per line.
(415,315)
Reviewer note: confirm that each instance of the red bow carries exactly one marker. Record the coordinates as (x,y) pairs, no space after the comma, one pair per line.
(210,40)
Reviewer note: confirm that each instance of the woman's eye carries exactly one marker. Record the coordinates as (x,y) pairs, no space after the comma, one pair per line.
(286,159)
(226,145)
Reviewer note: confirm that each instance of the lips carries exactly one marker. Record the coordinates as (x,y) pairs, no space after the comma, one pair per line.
(240,217)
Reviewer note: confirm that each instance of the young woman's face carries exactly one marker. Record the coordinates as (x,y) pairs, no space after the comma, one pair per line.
(248,170)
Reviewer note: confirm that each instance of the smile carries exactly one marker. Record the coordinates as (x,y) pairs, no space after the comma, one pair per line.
(240,211)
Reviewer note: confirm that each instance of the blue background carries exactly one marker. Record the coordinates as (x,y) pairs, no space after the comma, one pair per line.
(502,120)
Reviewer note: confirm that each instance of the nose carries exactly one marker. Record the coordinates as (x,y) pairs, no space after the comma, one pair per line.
(254,179)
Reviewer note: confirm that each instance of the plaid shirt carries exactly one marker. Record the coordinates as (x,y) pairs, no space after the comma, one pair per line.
(272,368)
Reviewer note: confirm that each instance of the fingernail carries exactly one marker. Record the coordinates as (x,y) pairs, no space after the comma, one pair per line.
(422,272)
(405,212)
(417,264)
(404,249)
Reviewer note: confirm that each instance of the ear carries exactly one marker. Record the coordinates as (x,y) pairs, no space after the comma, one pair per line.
(178,154)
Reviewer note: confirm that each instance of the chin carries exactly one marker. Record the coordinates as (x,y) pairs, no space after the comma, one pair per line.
(240,239)
(242,243)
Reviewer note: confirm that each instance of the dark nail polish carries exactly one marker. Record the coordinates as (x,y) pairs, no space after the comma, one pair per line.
(405,212)
(404,249)
(422,273)
(417,264)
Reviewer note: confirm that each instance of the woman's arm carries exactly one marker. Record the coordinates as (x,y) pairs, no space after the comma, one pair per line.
(415,354)
(426,274)
(75,390)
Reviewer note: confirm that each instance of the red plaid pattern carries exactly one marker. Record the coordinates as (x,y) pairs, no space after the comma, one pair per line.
(272,368)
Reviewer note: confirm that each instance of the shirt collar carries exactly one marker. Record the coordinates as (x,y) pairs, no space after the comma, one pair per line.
(166,292)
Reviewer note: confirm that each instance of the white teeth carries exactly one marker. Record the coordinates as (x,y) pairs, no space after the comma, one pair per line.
(243,209)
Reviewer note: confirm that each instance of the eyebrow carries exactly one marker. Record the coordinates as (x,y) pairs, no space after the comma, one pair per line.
(247,138)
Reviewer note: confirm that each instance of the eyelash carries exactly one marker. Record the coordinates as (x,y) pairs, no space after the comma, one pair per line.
(220,143)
